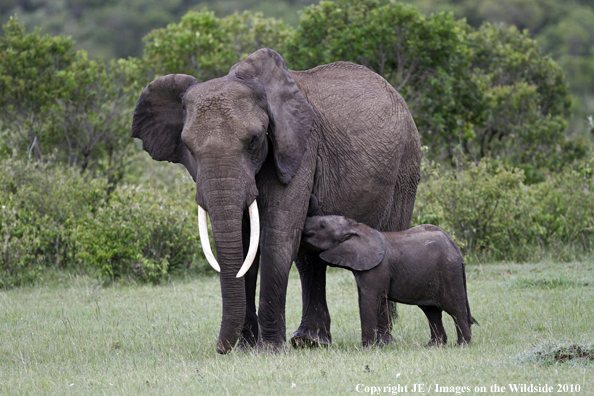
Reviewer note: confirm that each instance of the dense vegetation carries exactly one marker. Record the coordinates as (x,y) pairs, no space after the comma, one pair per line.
(115,28)
(503,171)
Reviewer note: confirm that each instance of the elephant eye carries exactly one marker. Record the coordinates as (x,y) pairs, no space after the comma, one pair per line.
(253,143)
(322,225)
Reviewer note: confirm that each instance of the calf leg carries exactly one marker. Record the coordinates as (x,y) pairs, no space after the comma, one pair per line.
(369,311)
(387,310)
(462,322)
(438,334)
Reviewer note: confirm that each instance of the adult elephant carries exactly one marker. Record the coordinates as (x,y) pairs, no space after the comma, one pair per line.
(261,140)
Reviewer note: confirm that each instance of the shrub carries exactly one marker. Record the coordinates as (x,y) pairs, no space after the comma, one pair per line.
(40,206)
(139,231)
(477,205)
(53,217)
(492,214)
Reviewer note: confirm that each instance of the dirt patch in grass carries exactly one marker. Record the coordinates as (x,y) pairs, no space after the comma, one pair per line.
(553,354)
(573,352)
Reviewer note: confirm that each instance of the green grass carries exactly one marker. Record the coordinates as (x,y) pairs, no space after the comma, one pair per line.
(75,336)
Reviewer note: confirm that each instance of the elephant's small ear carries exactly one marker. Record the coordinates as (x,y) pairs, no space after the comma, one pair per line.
(364,249)
(158,120)
(291,115)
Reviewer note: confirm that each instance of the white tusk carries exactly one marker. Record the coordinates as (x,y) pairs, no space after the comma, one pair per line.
(254,239)
(204,241)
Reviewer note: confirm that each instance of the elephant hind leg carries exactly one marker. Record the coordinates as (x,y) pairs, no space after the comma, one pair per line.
(405,190)
(438,334)
(314,329)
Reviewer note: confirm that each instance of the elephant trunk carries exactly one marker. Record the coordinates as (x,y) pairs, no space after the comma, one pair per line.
(226,202)
(225,189)
(226,227)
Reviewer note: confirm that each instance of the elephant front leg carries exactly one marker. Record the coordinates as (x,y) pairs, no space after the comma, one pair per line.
(314,329)
(249,334)
(276,258)
(369,311)
(387,313)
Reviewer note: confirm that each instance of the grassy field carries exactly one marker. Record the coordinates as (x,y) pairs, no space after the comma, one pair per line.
(77,337)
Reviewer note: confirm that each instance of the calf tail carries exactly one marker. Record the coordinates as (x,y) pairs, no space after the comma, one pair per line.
(471,320)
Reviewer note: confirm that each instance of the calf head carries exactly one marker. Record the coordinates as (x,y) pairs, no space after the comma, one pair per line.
(344,242)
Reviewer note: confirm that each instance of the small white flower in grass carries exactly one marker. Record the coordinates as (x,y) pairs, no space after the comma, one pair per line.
(293,385)
(397,375)
(71,385)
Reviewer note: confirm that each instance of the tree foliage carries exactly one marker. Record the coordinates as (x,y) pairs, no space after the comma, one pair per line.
(205,46)
(479,92)
(32,68)
(55,100)
(115,28)
(529,102)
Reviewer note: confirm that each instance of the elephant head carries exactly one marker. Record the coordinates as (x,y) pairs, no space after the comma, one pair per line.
(223,131)
(344,242)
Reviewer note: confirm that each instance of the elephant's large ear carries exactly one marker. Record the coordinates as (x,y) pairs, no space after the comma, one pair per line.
(291,115)
(158,120)
(363,249)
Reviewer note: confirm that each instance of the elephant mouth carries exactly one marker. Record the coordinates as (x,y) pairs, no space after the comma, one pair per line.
(254,239)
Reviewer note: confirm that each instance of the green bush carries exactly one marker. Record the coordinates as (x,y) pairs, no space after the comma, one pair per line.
(40,205)
(140,231)
(53,217)
(493,214)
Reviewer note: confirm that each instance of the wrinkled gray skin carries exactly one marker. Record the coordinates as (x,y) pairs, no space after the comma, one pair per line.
(263,132)
(420,266)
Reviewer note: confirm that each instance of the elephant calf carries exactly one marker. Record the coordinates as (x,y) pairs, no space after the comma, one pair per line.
(420,266)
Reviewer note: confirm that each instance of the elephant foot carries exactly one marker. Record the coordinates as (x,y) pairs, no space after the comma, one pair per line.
(385,339)
(247,339)
(310,339)
(273,348)
(246,345)
(379,342)
(436,343)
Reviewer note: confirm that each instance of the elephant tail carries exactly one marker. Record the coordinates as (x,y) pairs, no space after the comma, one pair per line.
(471,320)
